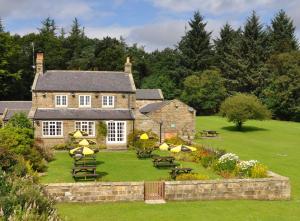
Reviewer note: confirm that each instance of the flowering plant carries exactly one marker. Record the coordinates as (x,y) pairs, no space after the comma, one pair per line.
(245,167)
(227,162)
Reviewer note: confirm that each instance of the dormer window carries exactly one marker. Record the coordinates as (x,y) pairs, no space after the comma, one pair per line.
(84,101)
(61,101)
(108,101)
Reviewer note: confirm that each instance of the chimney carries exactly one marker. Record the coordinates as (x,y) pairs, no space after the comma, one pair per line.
(128,66)
(39,63)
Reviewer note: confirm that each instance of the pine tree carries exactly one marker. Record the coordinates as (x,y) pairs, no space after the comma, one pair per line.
(228,58)
(254,53)
(195,46)
(1,26)
(282,33)
(48,26)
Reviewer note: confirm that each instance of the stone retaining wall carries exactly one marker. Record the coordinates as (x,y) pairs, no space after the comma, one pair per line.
(274,188)
(96,191)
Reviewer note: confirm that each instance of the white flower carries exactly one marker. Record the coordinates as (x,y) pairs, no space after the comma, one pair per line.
(245,165)
(228,157)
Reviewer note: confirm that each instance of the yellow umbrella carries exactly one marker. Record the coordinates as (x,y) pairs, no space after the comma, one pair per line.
(183,148)
(164,146)
(77,134)
(144,136)
(84,142)
(83,150)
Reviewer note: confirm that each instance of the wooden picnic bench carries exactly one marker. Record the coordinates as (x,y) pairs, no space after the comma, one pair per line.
(85,162)
(143,154)
(84,172)
(209,133)
(177,171)
(167,161)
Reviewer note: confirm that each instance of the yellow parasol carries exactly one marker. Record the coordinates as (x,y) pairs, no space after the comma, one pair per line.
(84,142)
(78,134)
(183,148)
(164,146)
(82,150)
(144,136)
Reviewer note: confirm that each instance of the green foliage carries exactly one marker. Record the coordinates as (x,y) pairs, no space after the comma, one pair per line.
(176,140)
(259,171)
(61,147)
(204,91)
(282,95)
(101,130)
(195,45)
(282,33)
(133,139)
(242,107)
(192,176)
(20,120)
(23,199)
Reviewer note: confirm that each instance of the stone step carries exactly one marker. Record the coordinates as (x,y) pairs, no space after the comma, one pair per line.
(155,201)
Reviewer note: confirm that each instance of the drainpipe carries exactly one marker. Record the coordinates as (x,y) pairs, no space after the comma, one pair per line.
(160,131)
(133,128)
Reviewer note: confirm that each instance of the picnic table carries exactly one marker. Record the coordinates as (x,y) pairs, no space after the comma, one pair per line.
(209,133)
(84,172)
(85,161)
(142,154)
(176,171)
(168,161)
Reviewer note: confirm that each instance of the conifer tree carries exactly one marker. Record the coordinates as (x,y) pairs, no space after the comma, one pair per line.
(282,33)
(1,26)
(195,46)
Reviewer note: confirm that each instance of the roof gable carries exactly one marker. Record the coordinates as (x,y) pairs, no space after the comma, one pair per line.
(153,107)
(14,105)
(149,94)
(85,81)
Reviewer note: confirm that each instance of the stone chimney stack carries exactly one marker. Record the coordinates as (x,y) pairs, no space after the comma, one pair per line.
(39,63)
(128,66)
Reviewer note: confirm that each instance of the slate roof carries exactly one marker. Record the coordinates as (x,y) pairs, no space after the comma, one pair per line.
(82,114)
(85,81)
(149,94)
(11,112)
(153,107)
(14,105)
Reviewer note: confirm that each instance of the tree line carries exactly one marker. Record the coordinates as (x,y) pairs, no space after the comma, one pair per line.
(202,71)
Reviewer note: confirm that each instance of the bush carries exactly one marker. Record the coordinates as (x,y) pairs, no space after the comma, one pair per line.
(133,139)
(207,161)
(20,120)
(242,107)
(176,141)
(192,176)
(185,156)
(259,171)
(227,162)
(60,147)
(243,168)
(47,153)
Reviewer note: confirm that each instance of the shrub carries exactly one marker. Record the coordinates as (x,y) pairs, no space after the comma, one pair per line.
(7,159)
(207,161)
(227,162)
(176,140)
(133,139)
(101,131)
(192,176)
(242,107)
(47,153)
(61,147)
(259,171)
(243,168)
(20,120)
(184,156)
(226,174)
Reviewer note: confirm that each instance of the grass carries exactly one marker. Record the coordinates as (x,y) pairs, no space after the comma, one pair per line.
(115,166)
(274,143)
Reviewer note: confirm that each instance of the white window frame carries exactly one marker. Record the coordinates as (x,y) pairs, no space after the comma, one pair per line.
(106,101)
(60,96)
(84,100)
(115,141)
(54,123)
(87,124)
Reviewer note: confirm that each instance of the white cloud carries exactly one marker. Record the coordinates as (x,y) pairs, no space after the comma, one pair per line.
(115,31)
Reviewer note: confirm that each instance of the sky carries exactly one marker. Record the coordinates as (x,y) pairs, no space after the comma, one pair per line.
(154,24)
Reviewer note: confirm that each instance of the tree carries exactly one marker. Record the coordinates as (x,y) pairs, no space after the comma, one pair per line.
(228,59)
(195,46)
(1,26)
(282,33)
(242,107)
(282,95)
(254,52)
(204,91)
(20,120)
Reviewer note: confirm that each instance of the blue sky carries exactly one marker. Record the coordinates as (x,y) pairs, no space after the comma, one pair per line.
(154,24)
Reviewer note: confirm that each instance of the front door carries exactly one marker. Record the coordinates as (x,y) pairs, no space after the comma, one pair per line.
(116,132)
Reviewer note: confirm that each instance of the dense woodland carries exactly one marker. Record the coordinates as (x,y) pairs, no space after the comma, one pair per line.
(200,70)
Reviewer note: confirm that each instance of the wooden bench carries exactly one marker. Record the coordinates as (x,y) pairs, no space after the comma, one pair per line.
(84,172)
(143,154)
(164,162)
(209,133)
(177,171)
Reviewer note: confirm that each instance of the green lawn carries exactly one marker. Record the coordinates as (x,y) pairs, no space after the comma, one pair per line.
(116,166)
(275,143)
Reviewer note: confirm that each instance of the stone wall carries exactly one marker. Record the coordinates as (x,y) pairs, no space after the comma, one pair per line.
(96,191)
(274,188)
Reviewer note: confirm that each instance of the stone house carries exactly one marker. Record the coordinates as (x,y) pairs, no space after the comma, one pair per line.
(64,101)
(9,108)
